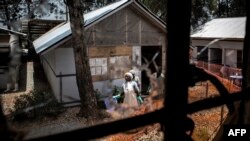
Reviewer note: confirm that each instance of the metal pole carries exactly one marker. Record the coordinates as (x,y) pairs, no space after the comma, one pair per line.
(60,87)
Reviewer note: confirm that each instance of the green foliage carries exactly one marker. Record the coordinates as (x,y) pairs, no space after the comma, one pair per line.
(14,10)
(35,105)
(204,10)
(232,8)
(158,7)
(117,90)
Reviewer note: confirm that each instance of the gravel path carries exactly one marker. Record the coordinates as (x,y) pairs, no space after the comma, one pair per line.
(26,84)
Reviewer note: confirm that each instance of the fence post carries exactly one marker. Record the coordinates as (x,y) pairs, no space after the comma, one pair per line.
(206,89)
(60,87)
(221,114)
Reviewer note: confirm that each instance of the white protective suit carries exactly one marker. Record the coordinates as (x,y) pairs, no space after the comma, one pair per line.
(130,97)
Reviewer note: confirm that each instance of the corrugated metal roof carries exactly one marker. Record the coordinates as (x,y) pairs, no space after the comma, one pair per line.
(63,30)
(223,28)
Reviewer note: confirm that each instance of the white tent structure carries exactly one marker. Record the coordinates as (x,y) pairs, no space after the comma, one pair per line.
(115,37)
(222,39)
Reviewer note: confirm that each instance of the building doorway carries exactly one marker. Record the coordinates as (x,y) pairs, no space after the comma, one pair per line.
(215,56)
(150,53)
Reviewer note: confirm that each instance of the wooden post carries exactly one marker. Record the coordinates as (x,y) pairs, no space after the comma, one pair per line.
(206,89)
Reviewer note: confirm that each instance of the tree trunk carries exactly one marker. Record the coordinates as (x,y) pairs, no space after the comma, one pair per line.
(89,108)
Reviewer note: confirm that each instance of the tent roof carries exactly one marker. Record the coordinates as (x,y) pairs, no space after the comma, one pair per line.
(231,28)
(63,30)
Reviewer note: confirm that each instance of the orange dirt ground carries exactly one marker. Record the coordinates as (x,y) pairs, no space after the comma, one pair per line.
(206,122)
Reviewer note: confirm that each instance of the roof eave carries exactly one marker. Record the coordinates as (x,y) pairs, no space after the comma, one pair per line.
(107,15)
(141,7)
(146,12)
(222,38)
(60,42)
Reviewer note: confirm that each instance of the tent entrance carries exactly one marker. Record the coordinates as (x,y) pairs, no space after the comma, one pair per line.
(151,54)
